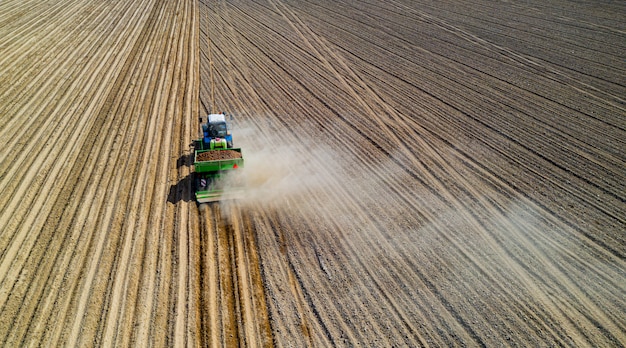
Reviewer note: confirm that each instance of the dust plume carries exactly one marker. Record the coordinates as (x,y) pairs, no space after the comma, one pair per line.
(281,169)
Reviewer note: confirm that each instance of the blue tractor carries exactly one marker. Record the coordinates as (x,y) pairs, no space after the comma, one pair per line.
(215,159)
(216,132)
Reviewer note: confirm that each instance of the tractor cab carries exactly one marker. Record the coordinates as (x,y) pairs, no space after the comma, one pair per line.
(216,130)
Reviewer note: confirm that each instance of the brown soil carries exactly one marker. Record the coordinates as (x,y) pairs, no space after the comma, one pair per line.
(218,155)
(419,173)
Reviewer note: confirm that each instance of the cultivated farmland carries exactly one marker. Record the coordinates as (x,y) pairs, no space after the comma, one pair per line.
(419,173)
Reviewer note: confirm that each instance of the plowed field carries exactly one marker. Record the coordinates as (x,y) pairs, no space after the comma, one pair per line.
(419,173)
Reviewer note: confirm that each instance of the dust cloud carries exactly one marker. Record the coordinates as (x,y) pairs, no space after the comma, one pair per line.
(281,170)
(286,171)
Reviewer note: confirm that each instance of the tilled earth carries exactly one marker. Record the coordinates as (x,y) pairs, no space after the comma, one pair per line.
(218,155)
(419,173)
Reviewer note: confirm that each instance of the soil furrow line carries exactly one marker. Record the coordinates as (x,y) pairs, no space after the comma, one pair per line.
(107,216)
(402,43)
(157,195)
(109,207)
(41,65)
(52,249)
(298,296)
(261,316)
(62,165)
(61,107)
(19,38)
(187,292)
(210,281)
(229,297)
(248,329)
(123,285)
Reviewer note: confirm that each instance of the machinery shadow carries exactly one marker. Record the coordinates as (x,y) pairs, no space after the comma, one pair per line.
(185,160)
(182,191)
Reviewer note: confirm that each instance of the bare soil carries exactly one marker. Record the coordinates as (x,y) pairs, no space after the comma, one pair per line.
(419,173)
(218,155)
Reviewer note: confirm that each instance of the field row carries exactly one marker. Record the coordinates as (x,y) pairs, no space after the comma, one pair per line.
(94,115)
(417,184)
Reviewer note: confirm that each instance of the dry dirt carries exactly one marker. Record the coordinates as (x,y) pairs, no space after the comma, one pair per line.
(218,155)
(420,173)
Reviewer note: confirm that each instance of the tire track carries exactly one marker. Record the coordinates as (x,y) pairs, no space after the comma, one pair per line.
(369,94)
(232,300)
(234,310)
(467,209)
(455,181)
(498,146)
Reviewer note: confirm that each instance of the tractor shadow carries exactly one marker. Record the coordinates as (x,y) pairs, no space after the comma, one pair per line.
(186,160)
(182,191)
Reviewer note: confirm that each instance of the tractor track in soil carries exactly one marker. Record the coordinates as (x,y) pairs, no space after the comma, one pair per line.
(421,173)
(473,129)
